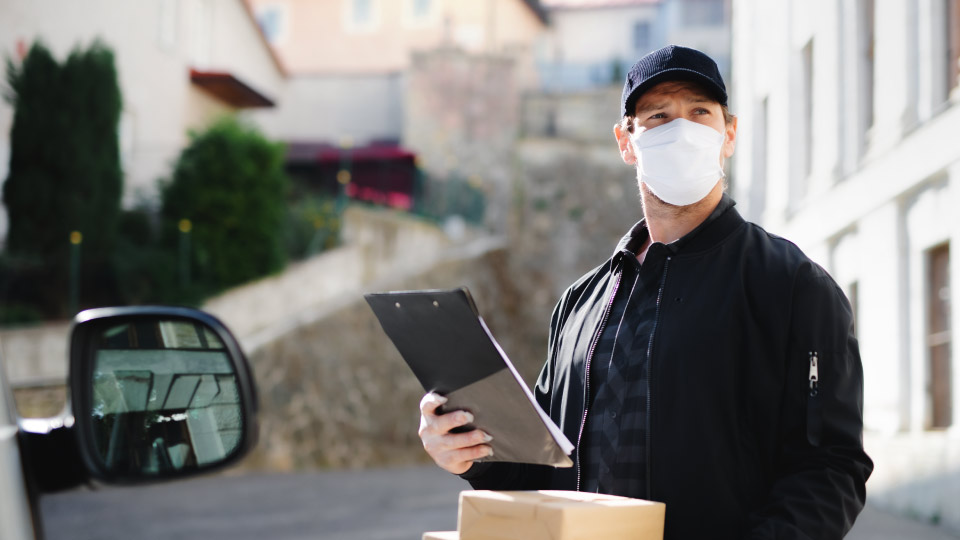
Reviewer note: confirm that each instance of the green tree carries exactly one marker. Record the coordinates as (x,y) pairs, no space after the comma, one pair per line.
(64,173)
(230,185)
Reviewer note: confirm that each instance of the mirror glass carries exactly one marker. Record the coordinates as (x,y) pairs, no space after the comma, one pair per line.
(164,398)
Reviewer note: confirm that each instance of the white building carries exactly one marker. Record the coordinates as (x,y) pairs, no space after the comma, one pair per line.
(849,116)
(180,64)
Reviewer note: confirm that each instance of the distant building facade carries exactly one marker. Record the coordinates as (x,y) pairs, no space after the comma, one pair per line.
(592,43)
(849,145)
(378,36)
(348,58)
(180,63)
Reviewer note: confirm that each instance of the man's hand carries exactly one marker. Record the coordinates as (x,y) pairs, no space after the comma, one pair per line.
(453,452)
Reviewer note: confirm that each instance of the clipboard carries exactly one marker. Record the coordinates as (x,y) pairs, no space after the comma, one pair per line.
(450,350)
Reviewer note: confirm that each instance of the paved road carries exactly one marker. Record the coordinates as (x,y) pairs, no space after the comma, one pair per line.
(875,524)
(394,504)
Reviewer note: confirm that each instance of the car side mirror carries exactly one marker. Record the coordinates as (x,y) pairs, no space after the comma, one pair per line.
(158,393)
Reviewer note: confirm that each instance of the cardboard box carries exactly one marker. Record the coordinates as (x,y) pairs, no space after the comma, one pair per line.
(557,515)
(442,535)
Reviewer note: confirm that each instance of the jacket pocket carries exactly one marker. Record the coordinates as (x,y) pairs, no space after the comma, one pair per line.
(814,412)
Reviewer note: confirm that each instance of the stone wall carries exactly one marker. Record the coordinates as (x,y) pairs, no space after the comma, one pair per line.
(35,355)
(466,110)
(336,393)
(586,116)
(573,203)
(40,401)
(375,242)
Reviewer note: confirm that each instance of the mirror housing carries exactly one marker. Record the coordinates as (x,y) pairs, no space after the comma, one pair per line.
(158,393)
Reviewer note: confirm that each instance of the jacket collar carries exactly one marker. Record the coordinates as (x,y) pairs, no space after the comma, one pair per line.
(721,222)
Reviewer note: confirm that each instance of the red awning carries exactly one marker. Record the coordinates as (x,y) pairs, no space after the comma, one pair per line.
(326,153)
(229,89)
(365,153)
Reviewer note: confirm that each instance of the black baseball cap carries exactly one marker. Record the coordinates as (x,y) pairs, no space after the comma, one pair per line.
(671,63)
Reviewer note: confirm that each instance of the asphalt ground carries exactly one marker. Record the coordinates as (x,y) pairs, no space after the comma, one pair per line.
(385,504)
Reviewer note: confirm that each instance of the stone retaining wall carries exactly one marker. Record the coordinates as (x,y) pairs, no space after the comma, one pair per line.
(335,393)
(35,355)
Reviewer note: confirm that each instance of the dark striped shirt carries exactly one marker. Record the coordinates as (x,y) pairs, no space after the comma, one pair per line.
(613,448)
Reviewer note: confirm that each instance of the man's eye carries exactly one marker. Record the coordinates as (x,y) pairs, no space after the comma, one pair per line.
(702,111)
(658,116)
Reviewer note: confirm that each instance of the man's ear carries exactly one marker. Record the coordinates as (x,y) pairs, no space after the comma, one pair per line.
(623,141)
(730,138)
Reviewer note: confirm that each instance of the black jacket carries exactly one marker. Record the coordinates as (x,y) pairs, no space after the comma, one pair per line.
(741,443)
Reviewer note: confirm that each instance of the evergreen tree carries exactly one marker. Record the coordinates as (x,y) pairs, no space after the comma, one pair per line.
(64,173)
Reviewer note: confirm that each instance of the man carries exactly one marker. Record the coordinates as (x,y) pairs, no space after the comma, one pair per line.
(707,364)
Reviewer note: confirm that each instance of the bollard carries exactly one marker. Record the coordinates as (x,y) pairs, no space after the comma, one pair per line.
(76,239)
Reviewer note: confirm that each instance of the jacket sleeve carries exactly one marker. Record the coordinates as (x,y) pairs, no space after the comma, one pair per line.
(523,476)
(821,467)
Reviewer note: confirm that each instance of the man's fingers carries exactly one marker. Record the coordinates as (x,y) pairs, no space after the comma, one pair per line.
(470,438)
(445,422)
(430,402)
(455,441)
(452,451)
(471,453)
(438,427)
(458,461)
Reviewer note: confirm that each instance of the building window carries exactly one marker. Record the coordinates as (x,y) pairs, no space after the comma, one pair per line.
(953,43)
(168,24)
(801,136)
(853,296)
(421,8)
(362,12)
(641,36)
(943,59)
(866,50)
(761,148)
(362,15)
(703,12)
(807,111)
(272,20)
(939,338)
(202,24)
(421,13)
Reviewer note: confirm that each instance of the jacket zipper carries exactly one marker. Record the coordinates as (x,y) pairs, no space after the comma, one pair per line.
(814,416)
(653,333)
(814,374)
(586,378)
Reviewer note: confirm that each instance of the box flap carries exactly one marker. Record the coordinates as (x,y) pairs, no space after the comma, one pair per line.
(557,515)
(499,503)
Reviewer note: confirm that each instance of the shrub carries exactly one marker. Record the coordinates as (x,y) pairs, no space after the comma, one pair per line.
(230,185)
(313,225)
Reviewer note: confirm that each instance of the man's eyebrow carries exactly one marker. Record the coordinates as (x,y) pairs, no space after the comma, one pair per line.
(653,105)
(644,107)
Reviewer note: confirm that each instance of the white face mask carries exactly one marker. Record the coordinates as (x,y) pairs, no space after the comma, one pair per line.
(679,161)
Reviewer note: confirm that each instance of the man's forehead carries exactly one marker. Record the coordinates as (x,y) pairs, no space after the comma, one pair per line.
(693,91)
